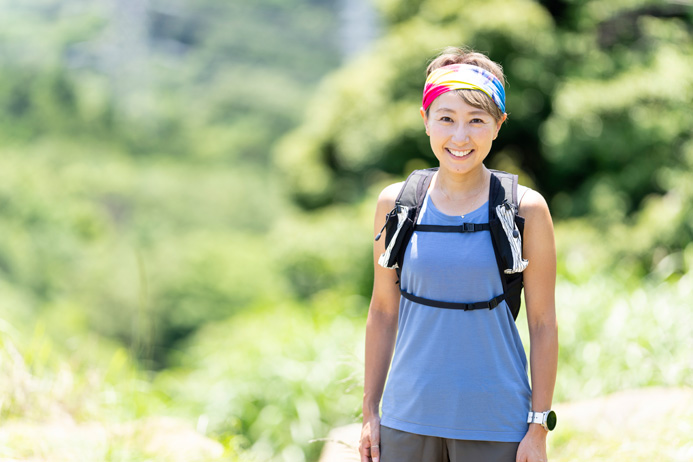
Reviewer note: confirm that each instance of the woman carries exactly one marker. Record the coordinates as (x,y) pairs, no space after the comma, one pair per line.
(457,389)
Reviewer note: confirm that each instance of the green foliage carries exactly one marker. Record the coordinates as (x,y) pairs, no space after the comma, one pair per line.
(277,378)
(204,80)
(616,336)
(86,399)
(625,115)
(81,377)
(326,251)
(161,248)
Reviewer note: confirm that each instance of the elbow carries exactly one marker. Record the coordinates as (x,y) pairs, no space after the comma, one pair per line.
(546,326)
(382,317)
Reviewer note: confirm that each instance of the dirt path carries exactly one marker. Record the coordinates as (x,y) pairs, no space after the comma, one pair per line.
(163,439)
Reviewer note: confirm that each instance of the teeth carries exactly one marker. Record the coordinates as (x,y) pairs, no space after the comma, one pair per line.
(459,153)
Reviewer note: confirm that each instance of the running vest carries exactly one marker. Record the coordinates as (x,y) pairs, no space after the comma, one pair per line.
(504,224)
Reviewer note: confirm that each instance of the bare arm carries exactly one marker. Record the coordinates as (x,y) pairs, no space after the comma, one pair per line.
(540,283)
(381,332)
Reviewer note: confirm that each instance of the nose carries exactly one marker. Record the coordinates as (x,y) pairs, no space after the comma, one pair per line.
(460,135)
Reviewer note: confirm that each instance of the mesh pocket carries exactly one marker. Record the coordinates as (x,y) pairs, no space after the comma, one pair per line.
(506,214)
(395,233)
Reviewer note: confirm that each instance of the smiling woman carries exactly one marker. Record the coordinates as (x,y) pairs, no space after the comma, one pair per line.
(447,290)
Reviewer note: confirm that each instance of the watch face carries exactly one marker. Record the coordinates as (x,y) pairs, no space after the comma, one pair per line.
(551,420)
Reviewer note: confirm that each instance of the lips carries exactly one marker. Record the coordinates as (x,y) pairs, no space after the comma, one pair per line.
(459,153)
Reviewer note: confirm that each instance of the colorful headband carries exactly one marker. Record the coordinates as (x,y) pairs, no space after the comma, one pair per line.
(463,77)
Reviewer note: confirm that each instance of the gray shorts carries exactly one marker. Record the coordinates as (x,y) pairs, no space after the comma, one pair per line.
(399,446)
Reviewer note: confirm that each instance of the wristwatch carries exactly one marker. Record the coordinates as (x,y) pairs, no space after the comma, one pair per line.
(546,419)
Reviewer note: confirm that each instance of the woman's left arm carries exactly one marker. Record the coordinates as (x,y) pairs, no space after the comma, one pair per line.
(540,282)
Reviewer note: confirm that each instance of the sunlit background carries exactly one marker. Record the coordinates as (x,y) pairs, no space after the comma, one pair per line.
(187,190)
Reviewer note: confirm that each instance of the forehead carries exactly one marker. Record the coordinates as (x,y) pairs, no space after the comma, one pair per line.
(453,103)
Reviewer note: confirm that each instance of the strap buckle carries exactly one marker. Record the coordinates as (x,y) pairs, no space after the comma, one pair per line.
(469,227)
(493,303)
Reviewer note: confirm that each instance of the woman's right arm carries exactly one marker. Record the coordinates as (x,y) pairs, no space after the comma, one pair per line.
(381,332)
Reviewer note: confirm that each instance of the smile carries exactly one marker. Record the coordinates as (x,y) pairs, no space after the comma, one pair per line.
(459,153)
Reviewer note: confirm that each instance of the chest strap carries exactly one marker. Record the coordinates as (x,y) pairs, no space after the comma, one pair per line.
(463,228)
(489,305)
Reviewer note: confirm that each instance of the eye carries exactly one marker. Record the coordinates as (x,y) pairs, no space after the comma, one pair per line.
(445,119)
(477,121)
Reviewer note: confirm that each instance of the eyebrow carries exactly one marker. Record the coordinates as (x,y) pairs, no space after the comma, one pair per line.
(450,111)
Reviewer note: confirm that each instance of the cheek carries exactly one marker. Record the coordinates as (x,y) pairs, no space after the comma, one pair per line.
(437,130)
(486,131)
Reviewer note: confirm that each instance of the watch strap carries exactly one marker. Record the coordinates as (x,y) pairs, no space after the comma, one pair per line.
(535,417)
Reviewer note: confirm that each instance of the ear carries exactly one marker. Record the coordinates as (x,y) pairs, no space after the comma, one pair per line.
(425,119)
(500,124)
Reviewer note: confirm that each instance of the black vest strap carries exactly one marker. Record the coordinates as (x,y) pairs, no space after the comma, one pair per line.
(463,228)
(489,305)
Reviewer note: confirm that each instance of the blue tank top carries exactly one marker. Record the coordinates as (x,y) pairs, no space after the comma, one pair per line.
(456,374)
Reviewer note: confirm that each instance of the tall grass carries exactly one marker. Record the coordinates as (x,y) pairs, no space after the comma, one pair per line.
(86,400)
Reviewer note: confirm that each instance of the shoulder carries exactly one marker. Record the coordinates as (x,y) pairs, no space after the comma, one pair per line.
(388,195)
(531,202)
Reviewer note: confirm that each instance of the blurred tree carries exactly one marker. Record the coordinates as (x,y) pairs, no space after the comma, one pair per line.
(621,112)
(207,80)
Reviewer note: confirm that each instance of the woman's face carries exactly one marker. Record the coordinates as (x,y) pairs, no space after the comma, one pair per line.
(461,135)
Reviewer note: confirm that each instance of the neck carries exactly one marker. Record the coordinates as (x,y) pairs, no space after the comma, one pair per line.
(461,185)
